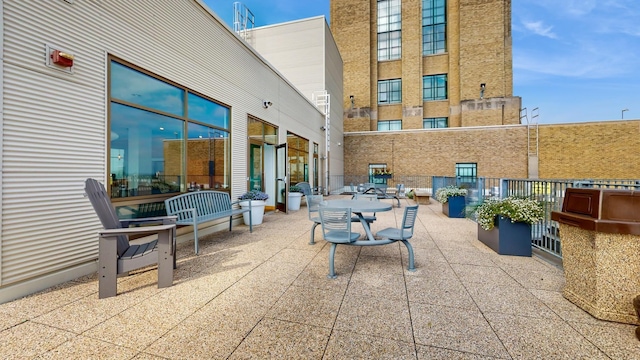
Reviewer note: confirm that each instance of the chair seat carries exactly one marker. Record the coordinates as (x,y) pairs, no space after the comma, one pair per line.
(316,219)
(394,233)
(341,236)
(367,218)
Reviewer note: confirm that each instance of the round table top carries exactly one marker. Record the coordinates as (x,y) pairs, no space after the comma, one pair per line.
(360,205)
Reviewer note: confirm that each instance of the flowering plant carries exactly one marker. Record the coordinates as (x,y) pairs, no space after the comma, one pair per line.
(295,188)
(254,195)
(443,194)
(383,172)
(517,209)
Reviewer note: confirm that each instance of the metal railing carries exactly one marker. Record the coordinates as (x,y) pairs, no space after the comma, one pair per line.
(339,184)
(550,193)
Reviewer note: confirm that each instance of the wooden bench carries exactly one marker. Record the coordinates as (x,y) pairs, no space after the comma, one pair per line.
(198,207)
(422,197)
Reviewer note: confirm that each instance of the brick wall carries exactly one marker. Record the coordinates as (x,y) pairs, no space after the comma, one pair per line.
(599,150)
(478,51)
(498,151)
(485,46)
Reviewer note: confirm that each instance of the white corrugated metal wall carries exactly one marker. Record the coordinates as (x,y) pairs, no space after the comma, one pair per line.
(54,123)
(308,56)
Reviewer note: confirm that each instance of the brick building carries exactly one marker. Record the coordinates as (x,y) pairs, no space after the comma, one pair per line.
(414,64)
(428,90)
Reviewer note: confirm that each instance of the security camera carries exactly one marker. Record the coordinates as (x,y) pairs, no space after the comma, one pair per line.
(266,103)
(323,128)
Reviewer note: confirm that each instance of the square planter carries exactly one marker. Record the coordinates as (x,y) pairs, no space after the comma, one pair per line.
(507,238)
(454,207)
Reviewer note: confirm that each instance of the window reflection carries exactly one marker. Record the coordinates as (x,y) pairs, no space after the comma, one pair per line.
(207,111)
(146,152)
(135,87)
(298,158)
(207,150)
(147,148)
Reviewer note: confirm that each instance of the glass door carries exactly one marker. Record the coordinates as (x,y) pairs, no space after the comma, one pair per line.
(281,177)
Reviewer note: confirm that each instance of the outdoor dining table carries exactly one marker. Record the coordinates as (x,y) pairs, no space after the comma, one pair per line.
(361,206)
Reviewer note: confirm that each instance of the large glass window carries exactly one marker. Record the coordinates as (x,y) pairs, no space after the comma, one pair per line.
(434,27)
(389,30)
(389,91)
(263,138)
(163,138)
(298,158)
(389,125)
(434,87)
(434,123)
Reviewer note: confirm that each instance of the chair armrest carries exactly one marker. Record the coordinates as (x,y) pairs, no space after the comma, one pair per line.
(136,230)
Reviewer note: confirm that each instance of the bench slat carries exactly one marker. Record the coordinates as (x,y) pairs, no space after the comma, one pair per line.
(209,206)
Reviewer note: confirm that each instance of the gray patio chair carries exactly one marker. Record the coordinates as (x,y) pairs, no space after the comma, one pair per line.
(400,191)
(336,228)
(404,233)
(306,188)
(381,191)
(369,197)
(313,204)
(117,256)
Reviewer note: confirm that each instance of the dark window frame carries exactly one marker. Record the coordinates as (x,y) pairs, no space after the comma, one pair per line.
(435,87)
(434,27)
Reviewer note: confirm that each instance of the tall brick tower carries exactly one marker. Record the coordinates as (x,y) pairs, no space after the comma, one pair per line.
(414,64)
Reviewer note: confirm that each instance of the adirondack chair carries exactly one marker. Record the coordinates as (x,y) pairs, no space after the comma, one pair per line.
(117,256)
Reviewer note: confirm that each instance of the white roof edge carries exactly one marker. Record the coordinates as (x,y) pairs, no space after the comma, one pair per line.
(292,22)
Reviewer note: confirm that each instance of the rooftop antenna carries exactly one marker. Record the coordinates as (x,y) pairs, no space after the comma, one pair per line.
(243,19)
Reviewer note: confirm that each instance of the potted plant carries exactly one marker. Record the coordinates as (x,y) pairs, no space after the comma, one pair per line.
(452,199)
(294,197)
(504,225)
(383,174)
(255,200)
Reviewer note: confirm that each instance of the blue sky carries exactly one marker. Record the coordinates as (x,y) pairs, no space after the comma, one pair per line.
(574,60)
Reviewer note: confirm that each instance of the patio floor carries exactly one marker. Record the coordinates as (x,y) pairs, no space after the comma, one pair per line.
(266,295)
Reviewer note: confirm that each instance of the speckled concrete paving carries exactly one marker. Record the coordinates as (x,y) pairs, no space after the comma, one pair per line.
(266,295)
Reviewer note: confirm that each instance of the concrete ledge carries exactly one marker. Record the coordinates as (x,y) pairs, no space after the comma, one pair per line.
(422,198)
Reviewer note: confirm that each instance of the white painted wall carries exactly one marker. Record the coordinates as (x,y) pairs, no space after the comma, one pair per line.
(55,123)
(305,52)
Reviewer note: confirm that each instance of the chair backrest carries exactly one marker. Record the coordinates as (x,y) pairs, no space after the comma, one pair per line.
(305,187)
(409,218)
(381,189)
(99,198)
(336,224)
(313,204)
(370,197)
(205,202)
(400,188)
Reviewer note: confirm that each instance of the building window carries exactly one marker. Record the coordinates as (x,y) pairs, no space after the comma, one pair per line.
(155,147)
(390,91)
(434,87)
(389,125)
(298,158)
(435,123)
(389,30)
(374,169)
(466,173)
(434,27)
